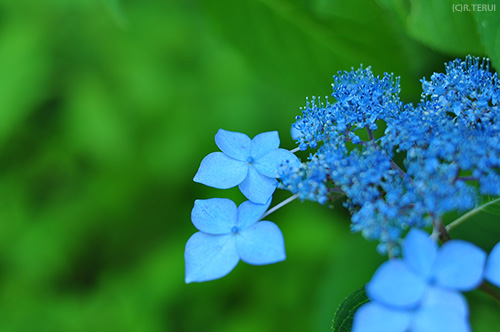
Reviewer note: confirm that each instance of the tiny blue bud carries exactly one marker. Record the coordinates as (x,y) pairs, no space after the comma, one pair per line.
(250,160)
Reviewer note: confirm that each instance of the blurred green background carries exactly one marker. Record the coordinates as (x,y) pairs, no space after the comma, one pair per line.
(108,107)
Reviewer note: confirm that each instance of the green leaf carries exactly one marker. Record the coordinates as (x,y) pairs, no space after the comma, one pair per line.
(454,28)
(305,42)
(488,26)
(490,204)
(342,322)
(437,25)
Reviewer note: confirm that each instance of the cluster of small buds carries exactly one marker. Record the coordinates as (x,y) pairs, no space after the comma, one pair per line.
(446,149)
(468,90)
(361,100)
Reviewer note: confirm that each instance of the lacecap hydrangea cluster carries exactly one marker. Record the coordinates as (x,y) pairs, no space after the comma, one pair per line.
(399,165)
(396,167)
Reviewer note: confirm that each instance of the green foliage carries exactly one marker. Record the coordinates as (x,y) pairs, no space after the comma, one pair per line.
(342,321)
(106,110)
(456,36)
(490,205)
(328,35)
(441,26)
(488,26)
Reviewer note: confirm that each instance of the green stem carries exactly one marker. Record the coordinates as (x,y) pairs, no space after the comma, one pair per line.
(280,205)
(490,290)
(469,214)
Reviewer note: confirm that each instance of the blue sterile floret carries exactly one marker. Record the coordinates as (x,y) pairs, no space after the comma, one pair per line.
(421,291)
(250,164)
(492,269)
(228,234)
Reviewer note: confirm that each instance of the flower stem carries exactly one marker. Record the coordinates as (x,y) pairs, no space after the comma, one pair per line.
(439,231)
(280,205)
(467,178)
(295,150)
(469,214)
(401,173)
(491,291)
(370,134)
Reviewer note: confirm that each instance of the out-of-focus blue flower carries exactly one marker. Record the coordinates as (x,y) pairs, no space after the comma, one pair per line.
(492,270)
(421,291)
(228,234)
(440,310)
(250,164)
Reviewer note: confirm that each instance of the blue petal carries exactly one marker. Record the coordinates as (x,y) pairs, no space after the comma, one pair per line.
(459,265)
(295,133)
(235,145)
(219,171)
(492,271)
(264,143)
(249,213)
(373,317)
(436,297)
(258,188)
(209,257)
(438,319)
(395,284)
(261,243)
(214,215)
(269,163)
(419,252)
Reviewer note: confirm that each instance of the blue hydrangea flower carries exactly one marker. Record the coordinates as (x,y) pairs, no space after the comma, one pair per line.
(250,164)
(432,158)
(440,310)
(421,291)
(361,100)
(492,270)
(228,234)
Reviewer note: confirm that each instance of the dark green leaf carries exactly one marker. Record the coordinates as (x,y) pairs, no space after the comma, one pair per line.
(309,39)
(436,24)
(439,25)
(488,26)
(342,322)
